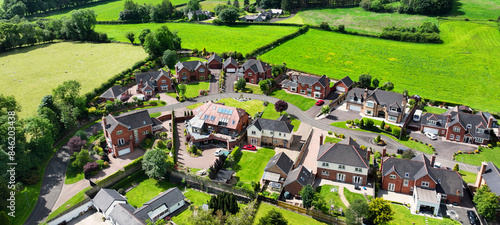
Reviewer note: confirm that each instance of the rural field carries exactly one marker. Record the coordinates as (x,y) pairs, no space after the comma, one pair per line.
(476,9)
(210,5)
(214,38)
(460,70)
(28,73)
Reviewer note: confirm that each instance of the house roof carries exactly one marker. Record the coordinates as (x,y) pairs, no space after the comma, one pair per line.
(113,92)
(282,161)
(301,175)
(492,177)
(220,115)
(215,57)
(256,66)
(131,120)
(440,120)
(347,81)
(230,61)
(105,198)
(189,65)
(344,154)
(225,174)
(278,125)
(152,77)
(381,97)
(449,181)
(168,198)
(123,214)
(475,121)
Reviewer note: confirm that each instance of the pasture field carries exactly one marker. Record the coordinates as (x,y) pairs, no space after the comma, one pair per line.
(476,9)
(460,70)
(32,72)
(214,38)
(210,5)
(105,10)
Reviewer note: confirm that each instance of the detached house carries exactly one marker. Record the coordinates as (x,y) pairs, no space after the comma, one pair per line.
(377,103)
(312,86)
(344,163)
(126,131)
(151,83)
(254,71)
(215,62)
(297,179)
(277,168)
(489,174)
(277,133)
(230,65)
(456,125)
(343,85)
(115,92)
(191,71)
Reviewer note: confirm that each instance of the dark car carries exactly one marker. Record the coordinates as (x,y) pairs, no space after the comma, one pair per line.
(473,218)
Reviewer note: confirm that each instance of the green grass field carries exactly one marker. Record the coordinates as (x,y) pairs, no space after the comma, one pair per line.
(250,165)
(252,106)
(185,59)
(80,196)
(252,88)
(295,99)
(436,110)
(329,139)
(403,216)
(194,106)
(214,38)
(292,217)
(351,196)
(468,177)
(29,74)
(486,155)
(210,5)
(331,198)
(270,113)
(476,9)
(193,89)
(146,190)
(468,61)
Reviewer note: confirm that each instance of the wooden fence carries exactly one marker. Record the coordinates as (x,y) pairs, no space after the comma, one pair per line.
(316,214)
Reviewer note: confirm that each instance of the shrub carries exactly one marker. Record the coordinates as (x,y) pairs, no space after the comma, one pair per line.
(105,164)
(325,26)
(476,151)
(330,132)
(121,191)
(356,122)
(377,139)
(396,131)
(100,162)
(369,123)
(387,128)
(90,167)
(459,152)
(342,28)
(490,146)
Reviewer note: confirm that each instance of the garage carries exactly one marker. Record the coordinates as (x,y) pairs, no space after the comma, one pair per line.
(431,130)
(231,70)
(123,151)
(340,89)
(355,108)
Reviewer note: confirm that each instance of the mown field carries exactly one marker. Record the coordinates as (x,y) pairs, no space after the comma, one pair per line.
(32,72)
(476,9)
(460,70)
(214,38)
(210,4)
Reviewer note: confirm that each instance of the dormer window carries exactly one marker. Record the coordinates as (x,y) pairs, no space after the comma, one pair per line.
(369,104)
(456,129)
(469,126)
(394,109)
(407,174)
(479,130)
(433,122)
(119,132)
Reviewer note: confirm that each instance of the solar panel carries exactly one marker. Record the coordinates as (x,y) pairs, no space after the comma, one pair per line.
(220,110)
(230,112)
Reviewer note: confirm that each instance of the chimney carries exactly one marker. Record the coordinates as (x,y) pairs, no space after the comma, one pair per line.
(383,153)
(490,121)
(433,159)
(290,76)
(479,177)
(368,153)
(141,85)
(366,93)
(104,120)
(321,139)
(448,118)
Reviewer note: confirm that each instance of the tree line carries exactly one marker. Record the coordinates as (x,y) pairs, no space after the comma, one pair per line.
(423,7)
(134,12)
(23,8)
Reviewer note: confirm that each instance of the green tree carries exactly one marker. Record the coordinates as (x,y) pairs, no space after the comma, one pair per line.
(80,159)
(245,216)
(357,210)
(388,86)
(365,80)
(182,89)
(408,154)
(246,2)
(156,43)
(130,36)
(143,34)
(307,194)
(380,211)
(4,219)
(169,58)
(192,5)
(325,110)
(241,84)
(236,3)
(456,167)
(203,217)
(382,125)
(486,203)
(229,15)
(273,217)
(155,164)
(264,87)
(80,26)
(286,5)
(70,104)
(375,82)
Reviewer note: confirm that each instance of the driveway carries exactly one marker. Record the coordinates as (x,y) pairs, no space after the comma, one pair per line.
(444,147)
(274,20)
(91,217)
(204,161)
(230,79)
(214,82)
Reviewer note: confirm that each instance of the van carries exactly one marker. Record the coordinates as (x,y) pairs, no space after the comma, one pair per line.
(417,115)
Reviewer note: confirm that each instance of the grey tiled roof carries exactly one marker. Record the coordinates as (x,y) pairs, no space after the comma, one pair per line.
(282,161)
(123,214)
(347,81)
(343,154)
(383,98)
(440,120)
(255,65)
(132,120)
(492,178)
(230,61)
(475,120)
(189,65)
(273,125)
(215,57)
(451,182)
(105,198)
(301,175)
(168,198)
(113,92)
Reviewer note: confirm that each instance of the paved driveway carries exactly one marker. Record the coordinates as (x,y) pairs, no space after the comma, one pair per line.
(230,79)
(214,82)
(91,217)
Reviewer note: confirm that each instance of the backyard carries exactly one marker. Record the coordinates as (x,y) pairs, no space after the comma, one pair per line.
(468,177)
(295,99)
(292,217)
(435,110)
(329,139)
(270,113)
(403,216)
(249,166)
(331,195)
(486,155)
(193,89)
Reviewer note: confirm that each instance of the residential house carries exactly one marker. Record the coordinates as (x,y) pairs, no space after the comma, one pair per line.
(276,12)
(191,71)
(297,179)
(277,168)
(253,18)
(456,125)
(230,65)
(254,71)
(115,92)
(118,211)
(217,123)
(224,176)
(215,61)
(312,86)
(489,174)
(199,15)
(377,103)
(343,85)
(150,83)
(417,177)
(343,163)
(125,132)
(277,133)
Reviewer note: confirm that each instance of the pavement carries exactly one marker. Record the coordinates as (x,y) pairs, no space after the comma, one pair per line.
(204,161)
(214,82)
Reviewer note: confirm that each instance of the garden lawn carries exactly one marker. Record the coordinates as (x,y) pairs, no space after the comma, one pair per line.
(270,113)
(403,216)
(351,196)
(435,110)
(476,9)
(468,177)
(250,88)
(80,196)
(292,217)
(331,197)
(185,59)
(329,139)
(157,114)
(214,38)
(249,166)
(295,99)
(296,20)
(88,63)
(146,190)
(210,5)
(252,106)
(105,10)
(468,60)
(193,89)
(486,155)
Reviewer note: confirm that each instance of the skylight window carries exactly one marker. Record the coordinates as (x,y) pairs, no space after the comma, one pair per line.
(212,118)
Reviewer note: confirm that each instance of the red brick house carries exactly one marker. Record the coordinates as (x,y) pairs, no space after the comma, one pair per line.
(459,126)
(151,83)
(125,132)
(277,168)
(254,71)
(343,85)
(297,179)
(115,92)
(343,163)
(191,71)
(215,62)
(419,177)
(230,65)
(312,86)
(377,103)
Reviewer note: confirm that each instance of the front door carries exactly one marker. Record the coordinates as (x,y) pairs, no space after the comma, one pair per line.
(391,187)
(357,180)
(467,139)
(341,177)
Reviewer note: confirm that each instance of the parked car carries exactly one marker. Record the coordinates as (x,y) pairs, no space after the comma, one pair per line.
(437,165)
(417,115)
(320,102)
(250,147)
(430,136)
(401,150)
(218,152)
(472,217)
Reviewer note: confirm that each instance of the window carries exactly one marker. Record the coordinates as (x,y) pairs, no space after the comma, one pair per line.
(317,88)
(250,73)
(457,138)
(452,136)
(279,134)
(442,132)
(205,117)
(202,77)
(469,126)
(479,140)
(184,73)
(302,91)
(407,174)
(370,104)
(325,173)
(433,122)
(358,169)
(212,118)
(394,109)
(275,141)
(479,130)
(271,132)
(284,135)
(456,129)
(439,180)
(145,132)
(201,70)
(119,132)
(253,132)
(392,118)
(293,89)
(121,141)
(325,164)
(342,167)
(163,81)
(443,196)
(405,182)
(424,184)
(251,80)
(368,112)
(164,88)
(393,176)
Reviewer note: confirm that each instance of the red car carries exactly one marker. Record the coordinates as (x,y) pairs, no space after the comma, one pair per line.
(320,102)
(250,147)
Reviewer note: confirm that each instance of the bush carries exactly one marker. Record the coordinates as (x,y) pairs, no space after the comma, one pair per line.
(396,131)
(369,123)
(490,146)
(330,132)
(90,167)
(325,26)
(342,28)
(356,122)
(100,162)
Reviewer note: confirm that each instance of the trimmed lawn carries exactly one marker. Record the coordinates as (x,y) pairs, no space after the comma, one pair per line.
(292,217)
(146,190)
(88,63)
(80,196)
(250,88)
(252,106)
(486,155)
(295,99)
(194,106)
(72,178)
(185,59)
(468,60)
(296,19)
(249,166)
(329,139)
(476,9)
(157,114)
(193,89)
(351,196)
(270,113)
(468,177)
(240,38)
(330,197)
(403,216)
(210,5)
(435,110)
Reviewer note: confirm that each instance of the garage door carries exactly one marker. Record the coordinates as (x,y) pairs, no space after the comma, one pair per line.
(341,89)
(431,130)
(123,151)
(231,70)
(355,108)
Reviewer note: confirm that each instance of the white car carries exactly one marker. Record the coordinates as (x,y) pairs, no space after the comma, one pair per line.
(437,165)
(218,152)
(431,136)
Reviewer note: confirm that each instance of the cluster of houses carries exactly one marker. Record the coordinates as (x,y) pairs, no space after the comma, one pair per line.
(263,16)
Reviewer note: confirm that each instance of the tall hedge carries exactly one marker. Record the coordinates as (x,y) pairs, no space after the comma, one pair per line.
(262,49)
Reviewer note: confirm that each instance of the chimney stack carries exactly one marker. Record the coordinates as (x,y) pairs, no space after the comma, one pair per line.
(448,118)
(366,93)
(490,121)
(383,153)
(433,159)
(479,177)
(321,139)
(368,153)
(290,76)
